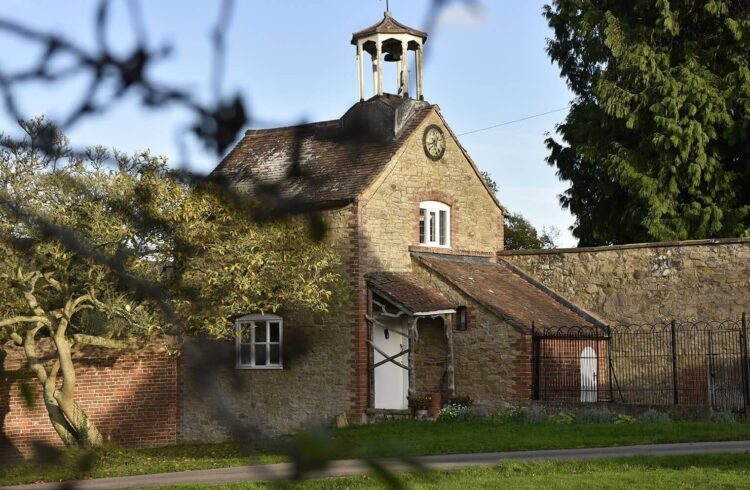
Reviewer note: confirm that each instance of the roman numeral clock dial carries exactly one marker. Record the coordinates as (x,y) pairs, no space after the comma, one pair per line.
(434,142)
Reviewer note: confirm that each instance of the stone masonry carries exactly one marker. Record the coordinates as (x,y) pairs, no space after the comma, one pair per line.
(693,280)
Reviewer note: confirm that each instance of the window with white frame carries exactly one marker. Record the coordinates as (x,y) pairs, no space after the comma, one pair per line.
(259,342)
(434,224)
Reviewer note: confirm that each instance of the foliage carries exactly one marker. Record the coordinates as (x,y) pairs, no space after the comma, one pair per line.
(112,257)
(490,181)
(652,416)
(622,418)
(595,415)
(656,144)
(563,418)
(520,234)
(454,413)
(419,402)
(722,416)
(460,401)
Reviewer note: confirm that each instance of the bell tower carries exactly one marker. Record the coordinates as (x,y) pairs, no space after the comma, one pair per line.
(390,41)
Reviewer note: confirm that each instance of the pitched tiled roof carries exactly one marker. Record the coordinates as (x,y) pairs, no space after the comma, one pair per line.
(508,292)
(312,163)
(388,25)
(403,290)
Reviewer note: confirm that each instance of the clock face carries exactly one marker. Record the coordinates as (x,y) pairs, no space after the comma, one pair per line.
(434,142)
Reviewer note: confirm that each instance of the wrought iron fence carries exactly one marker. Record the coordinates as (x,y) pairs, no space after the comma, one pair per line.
(670,363)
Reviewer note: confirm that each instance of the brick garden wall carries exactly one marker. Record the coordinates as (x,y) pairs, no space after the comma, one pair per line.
(131,397)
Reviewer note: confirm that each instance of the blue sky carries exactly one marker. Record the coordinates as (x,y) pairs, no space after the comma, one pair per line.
(293,62)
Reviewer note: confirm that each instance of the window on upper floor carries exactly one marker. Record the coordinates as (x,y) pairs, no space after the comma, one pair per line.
(259,342)
(434,224)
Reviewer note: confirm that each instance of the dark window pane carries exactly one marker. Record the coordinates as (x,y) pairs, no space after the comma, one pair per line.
(260,355)
(432,227)
(275,329)
(275,354)
(245,354)
(260,331)
(421,226)
(443,227)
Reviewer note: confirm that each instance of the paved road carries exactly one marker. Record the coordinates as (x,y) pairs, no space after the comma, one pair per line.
(355,467)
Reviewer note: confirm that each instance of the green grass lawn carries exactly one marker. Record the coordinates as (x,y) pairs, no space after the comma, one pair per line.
(390,439)
(708,471)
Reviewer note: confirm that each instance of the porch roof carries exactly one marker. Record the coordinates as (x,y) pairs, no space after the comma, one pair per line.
(403,290)
(508,292)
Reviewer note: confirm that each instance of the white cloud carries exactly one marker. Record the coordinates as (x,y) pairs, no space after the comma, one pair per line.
(462,15)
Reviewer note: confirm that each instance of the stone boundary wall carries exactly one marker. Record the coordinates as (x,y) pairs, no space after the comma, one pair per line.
(131,397)
(701,280)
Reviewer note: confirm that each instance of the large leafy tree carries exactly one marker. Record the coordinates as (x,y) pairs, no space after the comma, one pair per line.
(113,257)
(656,145)
(520,234)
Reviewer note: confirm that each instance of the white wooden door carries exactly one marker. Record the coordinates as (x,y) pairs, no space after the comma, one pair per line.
(588,375)
(391,380)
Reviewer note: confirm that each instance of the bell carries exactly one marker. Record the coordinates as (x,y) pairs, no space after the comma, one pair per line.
(392,57)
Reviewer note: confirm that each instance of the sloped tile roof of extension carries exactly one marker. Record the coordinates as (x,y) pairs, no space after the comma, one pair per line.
(403,290)
(316,164)
(508,292)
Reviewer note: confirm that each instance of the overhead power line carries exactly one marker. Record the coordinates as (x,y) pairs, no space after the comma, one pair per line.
(514,121)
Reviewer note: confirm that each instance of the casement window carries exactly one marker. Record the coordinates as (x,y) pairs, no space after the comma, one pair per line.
(434,224)
(259,342)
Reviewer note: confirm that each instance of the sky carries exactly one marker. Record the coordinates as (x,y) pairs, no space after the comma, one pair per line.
(292,61)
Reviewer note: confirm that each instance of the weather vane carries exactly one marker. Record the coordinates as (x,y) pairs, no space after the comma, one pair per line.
(387,6)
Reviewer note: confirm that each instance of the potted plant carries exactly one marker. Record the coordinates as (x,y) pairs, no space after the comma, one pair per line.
(420,404)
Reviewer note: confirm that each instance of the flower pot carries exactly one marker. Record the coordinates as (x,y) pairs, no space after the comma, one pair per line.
(422,414)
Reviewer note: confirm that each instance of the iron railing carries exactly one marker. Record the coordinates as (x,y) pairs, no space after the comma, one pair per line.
(670,363)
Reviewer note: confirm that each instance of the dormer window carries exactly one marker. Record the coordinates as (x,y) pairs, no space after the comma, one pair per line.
(434,224)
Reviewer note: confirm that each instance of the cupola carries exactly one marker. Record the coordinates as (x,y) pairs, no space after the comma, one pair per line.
(390,41)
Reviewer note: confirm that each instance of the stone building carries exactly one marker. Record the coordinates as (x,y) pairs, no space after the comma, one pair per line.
(433,312)
(436,307)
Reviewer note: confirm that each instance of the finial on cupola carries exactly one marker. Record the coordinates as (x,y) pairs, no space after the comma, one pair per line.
(390,41)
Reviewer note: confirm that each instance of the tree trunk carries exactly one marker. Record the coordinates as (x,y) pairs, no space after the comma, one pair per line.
(70,422)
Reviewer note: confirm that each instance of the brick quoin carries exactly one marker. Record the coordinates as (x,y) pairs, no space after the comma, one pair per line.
(132,399)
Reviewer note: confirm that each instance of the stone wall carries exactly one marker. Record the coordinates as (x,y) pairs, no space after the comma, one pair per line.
(131,397)
(390,206)
(698,280)
(430,356)
(315,385)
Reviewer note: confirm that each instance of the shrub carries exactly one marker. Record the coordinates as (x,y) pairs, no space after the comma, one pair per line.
(461,401)
(533,414)
(622,418)
(652,416)
(562,418)
(454,413)
(420,402)
(451,413)
(722,417)
(595,415)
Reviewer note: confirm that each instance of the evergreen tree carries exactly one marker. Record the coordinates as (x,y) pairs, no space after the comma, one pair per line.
(656,145)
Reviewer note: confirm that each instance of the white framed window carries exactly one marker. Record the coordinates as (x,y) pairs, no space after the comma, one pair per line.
(259,342)
(434,224)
